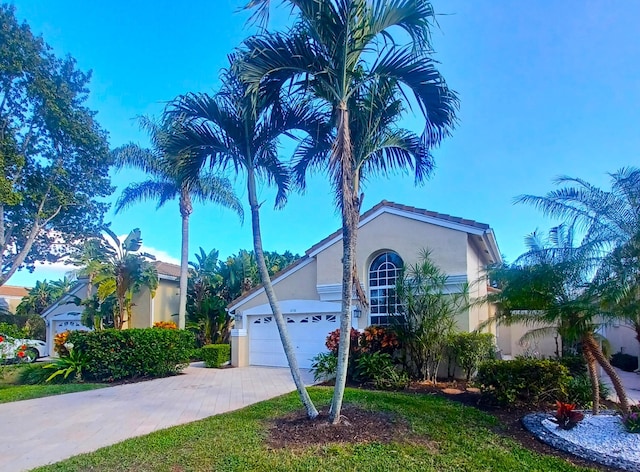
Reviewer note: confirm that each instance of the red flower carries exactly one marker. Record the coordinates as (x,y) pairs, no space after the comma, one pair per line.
(23,347)
(1,339)
(20,354)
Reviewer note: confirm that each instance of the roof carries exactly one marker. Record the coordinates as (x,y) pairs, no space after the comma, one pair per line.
(384,204)
(166,268)
(410,209)
(13,291)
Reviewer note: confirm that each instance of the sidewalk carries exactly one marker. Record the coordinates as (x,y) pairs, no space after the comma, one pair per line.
(631,382)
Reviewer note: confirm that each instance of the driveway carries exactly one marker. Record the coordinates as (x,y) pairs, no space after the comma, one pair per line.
(45,430)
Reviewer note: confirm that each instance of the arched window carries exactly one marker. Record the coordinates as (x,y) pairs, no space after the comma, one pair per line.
(383,273)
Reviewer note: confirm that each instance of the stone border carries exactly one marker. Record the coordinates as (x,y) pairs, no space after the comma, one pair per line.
(533,423)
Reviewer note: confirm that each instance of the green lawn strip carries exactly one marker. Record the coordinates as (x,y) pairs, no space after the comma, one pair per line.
(14,393)
(463,439)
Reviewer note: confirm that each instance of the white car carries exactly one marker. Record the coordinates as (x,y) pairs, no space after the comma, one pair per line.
(9,348)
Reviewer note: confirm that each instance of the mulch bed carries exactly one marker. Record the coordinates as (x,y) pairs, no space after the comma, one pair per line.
(361,426)
(357,426)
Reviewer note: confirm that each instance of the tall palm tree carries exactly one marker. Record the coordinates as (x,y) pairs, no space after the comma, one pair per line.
(239,129)
(166,184)
(550,288)
(335,49)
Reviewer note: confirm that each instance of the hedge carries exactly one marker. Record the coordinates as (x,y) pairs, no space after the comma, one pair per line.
(214,355)
(133,353)
(525,382)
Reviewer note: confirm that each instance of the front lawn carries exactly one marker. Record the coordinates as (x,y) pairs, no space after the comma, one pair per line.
(12,391)
(458,438)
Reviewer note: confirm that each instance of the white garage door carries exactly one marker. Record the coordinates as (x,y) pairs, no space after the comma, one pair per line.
(308,333)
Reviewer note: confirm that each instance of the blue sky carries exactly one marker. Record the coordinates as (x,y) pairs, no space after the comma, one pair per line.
(547,89)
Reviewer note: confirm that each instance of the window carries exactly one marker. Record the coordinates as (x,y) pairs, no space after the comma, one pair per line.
(383,273)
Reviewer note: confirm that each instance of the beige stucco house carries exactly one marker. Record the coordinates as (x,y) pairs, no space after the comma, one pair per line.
(11,296)
(390,236)
(65,314)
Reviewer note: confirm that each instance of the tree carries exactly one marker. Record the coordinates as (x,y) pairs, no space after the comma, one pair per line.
(53,154)
(239,129)
(611,220)
(166,184)
(42,296)
(333,52)
(550,288)
(122,275)
(429,315)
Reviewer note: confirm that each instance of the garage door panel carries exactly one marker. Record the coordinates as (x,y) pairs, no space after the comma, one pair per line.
(308,334)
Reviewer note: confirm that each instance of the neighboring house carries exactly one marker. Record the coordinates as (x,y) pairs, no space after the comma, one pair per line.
(11,296)
(65,314)
(390,236)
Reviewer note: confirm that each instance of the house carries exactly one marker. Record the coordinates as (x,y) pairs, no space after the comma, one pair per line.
(65,314)
(390,236)
(11,296)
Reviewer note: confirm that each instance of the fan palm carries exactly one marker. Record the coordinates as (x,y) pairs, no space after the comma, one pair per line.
(550,288)
(336,49)
(166,184)
(237,129)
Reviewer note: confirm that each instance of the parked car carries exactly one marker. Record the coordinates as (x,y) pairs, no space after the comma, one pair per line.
(10,347)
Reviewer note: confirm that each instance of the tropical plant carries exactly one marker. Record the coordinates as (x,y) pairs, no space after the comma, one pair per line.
(429,314)
(124,274)
(240,129)
(337,52)
(165,184)
(567,417)
(469,349)
(631,420)
(75,363)
(610,219)
(42,296)
(323,366)
(550,289)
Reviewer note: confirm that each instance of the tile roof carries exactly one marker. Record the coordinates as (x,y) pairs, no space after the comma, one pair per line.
(166,268)
(13,291)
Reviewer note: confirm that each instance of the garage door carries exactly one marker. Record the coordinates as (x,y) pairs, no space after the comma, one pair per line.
(308,333)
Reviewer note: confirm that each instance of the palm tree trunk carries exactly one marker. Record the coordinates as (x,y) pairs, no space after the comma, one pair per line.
(611,372)
(312,412)
(593,377)
(185,211)
(342,156)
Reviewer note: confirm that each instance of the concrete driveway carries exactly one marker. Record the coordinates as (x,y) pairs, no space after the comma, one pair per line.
(45,430)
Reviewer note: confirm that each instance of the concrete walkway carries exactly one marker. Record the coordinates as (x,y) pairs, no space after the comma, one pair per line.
(45,430)
(631,382)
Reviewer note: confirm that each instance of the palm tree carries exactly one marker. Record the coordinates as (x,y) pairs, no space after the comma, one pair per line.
(239,129)
(166,184)
(336,49)
(550,288)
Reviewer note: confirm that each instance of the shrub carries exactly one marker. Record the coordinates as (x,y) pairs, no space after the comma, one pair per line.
(631,421)
(59,343)
(526,382)
(333,341)
(165,325)
(33,374)
(75,363)
(324,366)
(469,349)
(566,416)
(623,361)
(579,390)
(133,353)
(379,339)
(576,364)
(378,368)
(214,355)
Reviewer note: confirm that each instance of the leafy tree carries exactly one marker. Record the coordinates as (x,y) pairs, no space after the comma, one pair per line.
(239,129)
(53,154)
(429,315)
(166,184)
(333,53)
(42,296)
(550,289)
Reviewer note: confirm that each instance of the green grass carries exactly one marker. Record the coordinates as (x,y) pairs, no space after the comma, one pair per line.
(11,391)
(235,442)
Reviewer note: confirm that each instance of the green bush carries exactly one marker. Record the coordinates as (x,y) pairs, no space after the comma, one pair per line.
(377,368)
(34,374)
(467,350)
(114,355)
(623,361)
(324,366)
(579,391)
(523,382)
(214,355)
(575,363)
